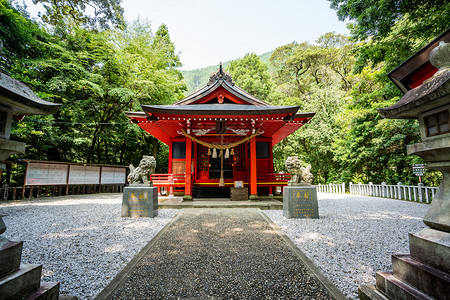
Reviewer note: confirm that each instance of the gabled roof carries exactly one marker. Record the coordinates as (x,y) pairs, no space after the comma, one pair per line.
(221,81)
(219,109)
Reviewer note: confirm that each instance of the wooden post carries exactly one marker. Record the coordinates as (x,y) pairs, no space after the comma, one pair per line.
(253,171)
(188,180)
(24,181)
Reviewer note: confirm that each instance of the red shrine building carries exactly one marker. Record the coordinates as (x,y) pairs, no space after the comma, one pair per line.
(218,137)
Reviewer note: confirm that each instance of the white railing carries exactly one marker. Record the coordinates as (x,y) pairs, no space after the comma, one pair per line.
(419,193)
(331,188)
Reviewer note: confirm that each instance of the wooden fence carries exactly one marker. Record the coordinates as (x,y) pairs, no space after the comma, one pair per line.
(16,193)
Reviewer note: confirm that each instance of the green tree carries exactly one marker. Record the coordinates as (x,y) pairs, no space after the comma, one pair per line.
(251,74)
(92,14)
(393,29)
(96,76)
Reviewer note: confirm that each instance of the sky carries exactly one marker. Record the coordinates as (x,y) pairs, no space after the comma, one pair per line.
(206,32)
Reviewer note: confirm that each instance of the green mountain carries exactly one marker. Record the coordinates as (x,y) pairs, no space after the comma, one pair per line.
(198,78)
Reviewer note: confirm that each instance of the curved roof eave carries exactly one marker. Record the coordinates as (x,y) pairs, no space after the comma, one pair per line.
(22,100)
(220,109)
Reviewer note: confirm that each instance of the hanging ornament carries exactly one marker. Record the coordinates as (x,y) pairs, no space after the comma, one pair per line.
(227,153)
(214,153)
(221,153)
(232,151)
(209,151)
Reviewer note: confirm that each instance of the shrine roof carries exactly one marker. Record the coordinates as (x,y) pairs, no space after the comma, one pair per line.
(219,109)
(22,99)
(217,80)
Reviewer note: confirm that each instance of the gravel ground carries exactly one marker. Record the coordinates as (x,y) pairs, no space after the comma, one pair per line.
(223,253)
(81,241)
(354,237)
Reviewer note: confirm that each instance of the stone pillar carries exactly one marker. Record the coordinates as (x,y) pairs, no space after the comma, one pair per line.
(253,171)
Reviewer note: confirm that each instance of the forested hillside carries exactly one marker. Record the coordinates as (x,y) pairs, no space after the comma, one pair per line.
(100,67)
(196,79)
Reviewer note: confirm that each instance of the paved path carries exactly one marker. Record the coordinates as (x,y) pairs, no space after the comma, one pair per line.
(220,253)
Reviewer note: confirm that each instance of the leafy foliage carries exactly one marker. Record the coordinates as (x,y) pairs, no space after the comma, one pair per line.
(251,74)
(104,14)
(97,76)
(98,68)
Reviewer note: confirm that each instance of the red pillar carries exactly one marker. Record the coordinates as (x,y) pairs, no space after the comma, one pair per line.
(188,180)
(253,171)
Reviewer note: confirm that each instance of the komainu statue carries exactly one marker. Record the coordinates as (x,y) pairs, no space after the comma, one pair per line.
(299,175)
(141,174)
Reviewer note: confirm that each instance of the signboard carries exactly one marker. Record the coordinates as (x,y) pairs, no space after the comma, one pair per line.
(419,169)
(41,173)
(112,175)
(84,175)
(46,174)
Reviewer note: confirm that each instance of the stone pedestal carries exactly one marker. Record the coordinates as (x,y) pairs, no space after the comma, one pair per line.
(239,194)
(300,202)
(21,281)
(140,202)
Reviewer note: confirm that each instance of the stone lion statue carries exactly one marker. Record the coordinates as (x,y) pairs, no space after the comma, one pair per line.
(299,175)
(141,174)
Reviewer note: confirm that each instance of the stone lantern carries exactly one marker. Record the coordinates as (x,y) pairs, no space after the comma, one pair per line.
(16,101)
(424,273)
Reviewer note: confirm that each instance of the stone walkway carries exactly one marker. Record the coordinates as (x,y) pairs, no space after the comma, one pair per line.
(222,253)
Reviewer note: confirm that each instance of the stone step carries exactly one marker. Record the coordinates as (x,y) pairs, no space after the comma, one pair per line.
(395,289)
(431,247)
(10,256)
(425,278)
(21,282)
(370,292)
(47,291)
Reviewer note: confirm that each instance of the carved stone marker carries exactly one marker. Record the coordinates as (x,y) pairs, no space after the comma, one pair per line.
(140,199)
(300,202)
(299,197)
(140,202)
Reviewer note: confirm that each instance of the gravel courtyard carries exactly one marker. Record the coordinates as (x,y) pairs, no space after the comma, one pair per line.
(354,237)
(83,242)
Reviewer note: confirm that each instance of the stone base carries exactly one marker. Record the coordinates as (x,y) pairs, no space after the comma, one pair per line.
(431,247)
(187,198)
(47,291)
(21,282)
(239,194)
(10,256)
(300,202)
(139,202)
(253,198)
(422,275)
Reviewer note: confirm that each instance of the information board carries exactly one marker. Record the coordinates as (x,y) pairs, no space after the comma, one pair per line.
(84,175)
(419,169)
(112,175)
(46,174)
